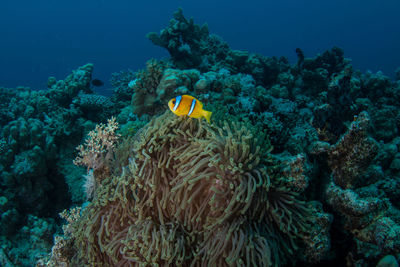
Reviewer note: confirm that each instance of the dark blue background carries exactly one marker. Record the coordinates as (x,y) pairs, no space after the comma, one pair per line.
(45,38)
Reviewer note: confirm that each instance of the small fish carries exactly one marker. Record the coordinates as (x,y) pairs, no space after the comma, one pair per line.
(188,105)
(97,82)
(132,83)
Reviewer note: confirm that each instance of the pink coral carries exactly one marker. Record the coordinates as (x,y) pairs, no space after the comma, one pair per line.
(98,147)
(96,154)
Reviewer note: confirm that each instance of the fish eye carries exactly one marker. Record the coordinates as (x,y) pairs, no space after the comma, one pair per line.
(173,102)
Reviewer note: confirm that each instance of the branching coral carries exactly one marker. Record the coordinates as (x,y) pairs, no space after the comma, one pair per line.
(98,145)
(200,195)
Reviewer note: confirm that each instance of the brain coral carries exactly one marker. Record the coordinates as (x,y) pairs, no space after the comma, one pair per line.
(198,195)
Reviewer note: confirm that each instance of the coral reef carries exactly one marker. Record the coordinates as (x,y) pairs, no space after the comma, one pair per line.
(187,43)
(39,130)
(164,188)
(195,194)
(310,108)
(359,200)
(191,46)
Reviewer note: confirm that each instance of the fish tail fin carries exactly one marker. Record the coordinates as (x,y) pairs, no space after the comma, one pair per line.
(207,115)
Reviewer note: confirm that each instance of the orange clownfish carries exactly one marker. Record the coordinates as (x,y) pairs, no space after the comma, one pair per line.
(188,105)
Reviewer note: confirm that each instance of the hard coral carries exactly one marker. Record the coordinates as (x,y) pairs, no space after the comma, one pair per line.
(184,40)
(145,99)
(63,91)
(192,46)
(353,153)
(199,195)
(156,85)
(367,218)
(120,83)
(94,107)
(364,209)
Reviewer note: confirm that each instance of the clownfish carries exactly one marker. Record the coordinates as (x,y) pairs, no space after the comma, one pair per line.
(190,106)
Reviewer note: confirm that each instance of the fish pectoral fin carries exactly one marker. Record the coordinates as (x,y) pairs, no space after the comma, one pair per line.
(207,115)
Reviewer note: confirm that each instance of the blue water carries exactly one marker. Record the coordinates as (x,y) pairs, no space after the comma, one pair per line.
(46,38)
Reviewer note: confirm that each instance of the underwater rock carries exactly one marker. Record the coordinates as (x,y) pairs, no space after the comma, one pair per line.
(388,261)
